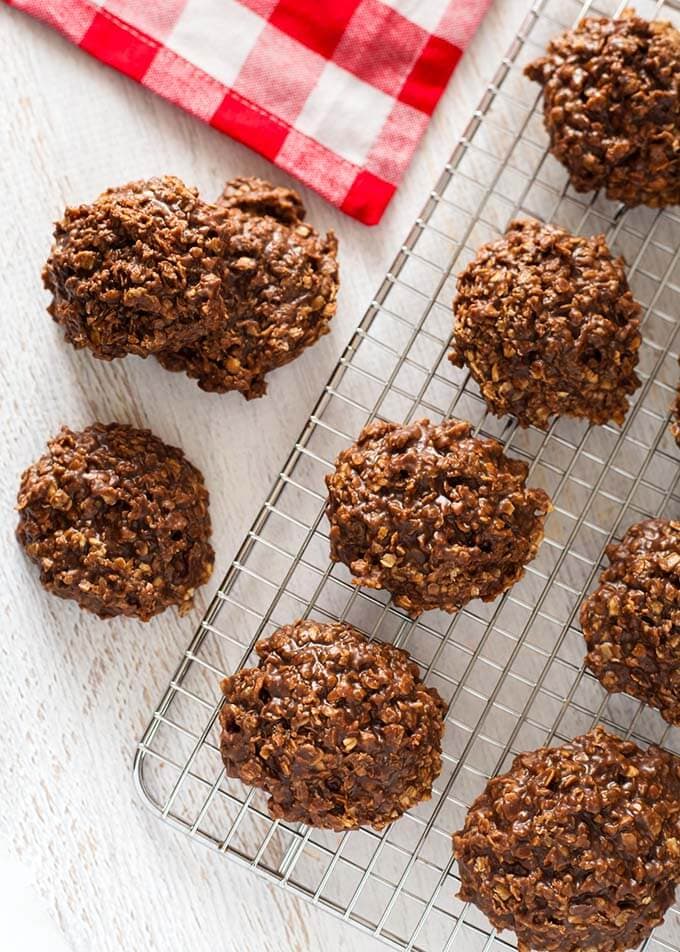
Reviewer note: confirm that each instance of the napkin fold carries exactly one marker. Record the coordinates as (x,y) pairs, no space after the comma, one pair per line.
(335,92)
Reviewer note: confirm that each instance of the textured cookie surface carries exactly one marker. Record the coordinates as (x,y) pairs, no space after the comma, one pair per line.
(631,622)
(548,326)
(339,731)
(576,847)
(116,520)
(279,285)
(611,100)
(138,270)
(432,514)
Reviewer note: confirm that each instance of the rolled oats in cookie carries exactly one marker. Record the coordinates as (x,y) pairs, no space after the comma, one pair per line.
(631,622)
(611,101)
(116,520)
(138,270)
(339,731)
(577,847)
(547,325)
(257,198)
(280,282)
(432,514)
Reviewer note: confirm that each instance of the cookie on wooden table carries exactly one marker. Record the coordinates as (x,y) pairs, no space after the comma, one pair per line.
(138,270)
(116,520)
(279,285)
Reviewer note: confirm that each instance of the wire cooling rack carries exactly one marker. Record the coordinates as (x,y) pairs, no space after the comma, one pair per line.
(511,671)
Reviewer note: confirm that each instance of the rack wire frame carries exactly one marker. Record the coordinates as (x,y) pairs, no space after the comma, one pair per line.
(511,671)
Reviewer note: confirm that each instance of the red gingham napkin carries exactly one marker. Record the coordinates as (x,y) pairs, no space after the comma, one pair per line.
(336,92)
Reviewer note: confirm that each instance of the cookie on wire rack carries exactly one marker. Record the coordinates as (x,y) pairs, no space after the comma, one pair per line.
(547,325)
(433,514)
(117,521)
(611,106)
(339,731)
(576,847)
(631,622)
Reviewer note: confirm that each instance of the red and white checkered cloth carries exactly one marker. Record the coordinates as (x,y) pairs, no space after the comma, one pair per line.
(336,92)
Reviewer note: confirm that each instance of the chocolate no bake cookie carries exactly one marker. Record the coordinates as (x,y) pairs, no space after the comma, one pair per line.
(578,847)
(224,292)
(339,731)
(631,622)
(138,270)
(547,325)
(432,514)
(611,100)
(280,282)
(117,521)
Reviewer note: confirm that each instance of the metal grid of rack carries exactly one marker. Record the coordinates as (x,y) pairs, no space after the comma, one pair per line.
(511,671)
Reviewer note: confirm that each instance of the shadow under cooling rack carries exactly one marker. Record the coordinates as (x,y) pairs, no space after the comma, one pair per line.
(511,671)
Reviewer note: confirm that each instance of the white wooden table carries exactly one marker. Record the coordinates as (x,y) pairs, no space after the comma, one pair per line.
(77,692)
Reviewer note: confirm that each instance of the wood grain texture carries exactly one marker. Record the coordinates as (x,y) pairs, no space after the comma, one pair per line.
(77,691)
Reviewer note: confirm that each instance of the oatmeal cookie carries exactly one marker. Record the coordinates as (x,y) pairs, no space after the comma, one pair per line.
(576,847)
(280,281)
(339,731)
(611,101)
(117,521)
(432,514)
(631,622)
(548,326)
(138,270)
